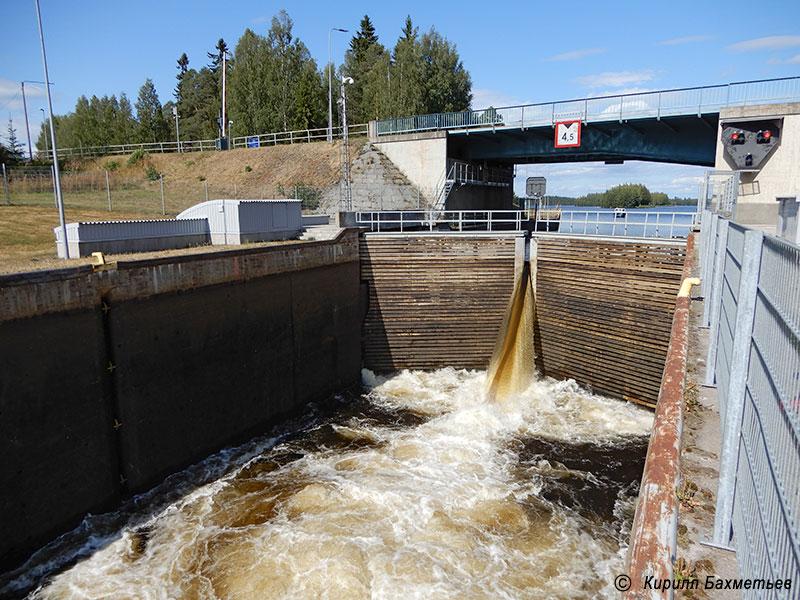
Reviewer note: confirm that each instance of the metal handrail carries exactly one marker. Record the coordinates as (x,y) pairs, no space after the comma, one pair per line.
(300,135)
(654,224)
(294,136)
(675,102)
(458,220)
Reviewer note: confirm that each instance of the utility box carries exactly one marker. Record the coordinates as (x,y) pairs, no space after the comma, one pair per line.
(243,221)
(222,143)
(788,228)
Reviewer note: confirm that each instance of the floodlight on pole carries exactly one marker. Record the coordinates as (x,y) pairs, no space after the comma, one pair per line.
(56,171)
(330,79)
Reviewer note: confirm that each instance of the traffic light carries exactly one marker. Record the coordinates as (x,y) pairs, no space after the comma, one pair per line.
(737,138)
(748,160)
(764,137)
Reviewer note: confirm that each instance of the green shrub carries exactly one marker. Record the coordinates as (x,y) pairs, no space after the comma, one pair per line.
(111,165)
(248,168)
(137,155)
(201,178)
(152,173)
(189,163)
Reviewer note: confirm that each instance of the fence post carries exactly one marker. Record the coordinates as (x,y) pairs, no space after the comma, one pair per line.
(108,192)
(163,206)
(235,192)
(714,300)
(737,388)
(710,226)
(5,185)
(205,185)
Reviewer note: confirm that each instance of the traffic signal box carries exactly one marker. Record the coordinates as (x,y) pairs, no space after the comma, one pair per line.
(748,144)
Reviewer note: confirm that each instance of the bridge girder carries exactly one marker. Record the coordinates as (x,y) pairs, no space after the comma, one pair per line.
(687,140)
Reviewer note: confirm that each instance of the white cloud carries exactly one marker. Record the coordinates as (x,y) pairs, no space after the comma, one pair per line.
(621,92)
(789,61)
(690,39)
(483,98)
(576,54)
(615,79)
(775,42)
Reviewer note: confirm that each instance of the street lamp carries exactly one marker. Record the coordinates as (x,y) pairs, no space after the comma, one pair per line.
(177,130)
(46,145)
(25,108)
(330,78)
(56,171)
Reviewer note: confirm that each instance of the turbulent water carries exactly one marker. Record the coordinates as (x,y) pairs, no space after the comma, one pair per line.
(421,488)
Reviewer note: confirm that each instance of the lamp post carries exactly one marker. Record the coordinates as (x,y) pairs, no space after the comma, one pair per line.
(46,145)
(25,108)
(177,130)
(330,78)
(56,170)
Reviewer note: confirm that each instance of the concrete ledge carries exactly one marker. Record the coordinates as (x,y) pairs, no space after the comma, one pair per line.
(36,293)
(654,531)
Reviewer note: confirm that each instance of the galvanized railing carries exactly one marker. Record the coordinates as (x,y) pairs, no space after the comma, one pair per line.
(667,103)
(622,223)
(183,146)
(752,289)
(294,137)
(436,220)
(247,141)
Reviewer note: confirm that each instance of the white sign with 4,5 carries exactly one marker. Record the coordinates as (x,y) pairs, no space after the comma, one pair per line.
(568,134)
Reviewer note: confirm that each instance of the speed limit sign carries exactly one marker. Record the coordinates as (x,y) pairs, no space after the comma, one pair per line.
(568,134)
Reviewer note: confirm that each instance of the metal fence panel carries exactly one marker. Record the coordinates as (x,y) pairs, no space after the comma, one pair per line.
(761,507)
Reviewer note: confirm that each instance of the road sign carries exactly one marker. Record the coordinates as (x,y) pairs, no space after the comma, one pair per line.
(568,134)
(535,187)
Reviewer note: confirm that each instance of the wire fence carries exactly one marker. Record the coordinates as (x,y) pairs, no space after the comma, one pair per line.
(753,295)
(152,193)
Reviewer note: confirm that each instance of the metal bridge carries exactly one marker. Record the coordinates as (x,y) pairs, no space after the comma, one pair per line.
(673,126)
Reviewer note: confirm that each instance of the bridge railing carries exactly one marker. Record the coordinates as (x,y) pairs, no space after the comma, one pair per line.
(437,220)
(618,223)
(667,103)
(754,362)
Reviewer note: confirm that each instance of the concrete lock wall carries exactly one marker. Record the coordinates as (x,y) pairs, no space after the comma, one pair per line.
(779,176)
(111,380)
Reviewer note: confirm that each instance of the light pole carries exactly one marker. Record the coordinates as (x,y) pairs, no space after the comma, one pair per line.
(25,108)
(345,159)
(56,170)
(330,79)
(46,145)
(177,131)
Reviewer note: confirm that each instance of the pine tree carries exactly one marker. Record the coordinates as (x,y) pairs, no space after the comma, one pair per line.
(151,124)
(406,84)
(363,56)
(15,147)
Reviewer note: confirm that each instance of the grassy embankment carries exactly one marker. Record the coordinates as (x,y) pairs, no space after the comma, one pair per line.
(27,241)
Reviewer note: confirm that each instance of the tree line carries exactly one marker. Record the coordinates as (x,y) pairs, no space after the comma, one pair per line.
(626,195)
(274,84)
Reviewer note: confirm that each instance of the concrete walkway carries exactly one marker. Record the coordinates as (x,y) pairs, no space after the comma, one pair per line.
(701,446)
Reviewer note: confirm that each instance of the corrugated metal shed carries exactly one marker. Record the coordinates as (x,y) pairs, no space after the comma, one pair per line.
(242,221)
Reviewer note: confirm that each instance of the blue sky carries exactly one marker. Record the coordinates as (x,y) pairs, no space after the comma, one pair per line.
(516,52)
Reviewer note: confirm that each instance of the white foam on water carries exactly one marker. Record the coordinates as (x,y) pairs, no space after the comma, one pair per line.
(443,509)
